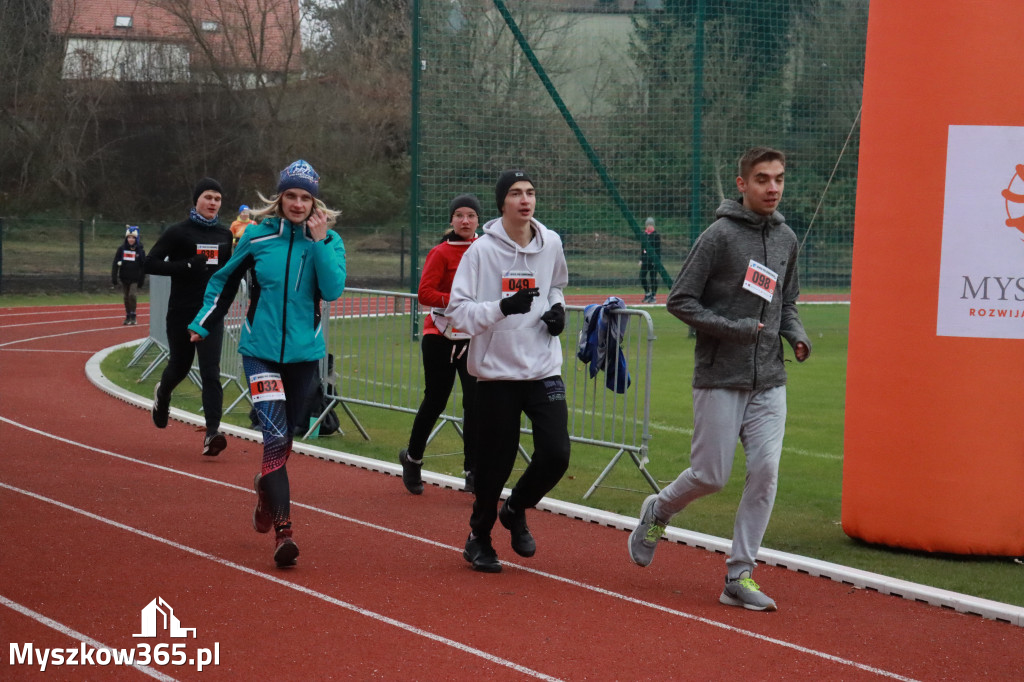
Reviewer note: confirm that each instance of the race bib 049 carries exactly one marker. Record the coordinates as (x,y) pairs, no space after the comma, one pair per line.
(512,281)
(266,386)
(760,280)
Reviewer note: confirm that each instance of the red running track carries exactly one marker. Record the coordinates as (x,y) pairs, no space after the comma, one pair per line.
(103,513)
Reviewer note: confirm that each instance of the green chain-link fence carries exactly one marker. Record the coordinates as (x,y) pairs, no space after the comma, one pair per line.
(624,110)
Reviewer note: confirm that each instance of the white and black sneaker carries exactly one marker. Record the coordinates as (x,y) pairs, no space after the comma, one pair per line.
(161,408)
(214,444)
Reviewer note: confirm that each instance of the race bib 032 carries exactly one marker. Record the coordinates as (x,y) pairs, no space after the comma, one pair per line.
(266,386)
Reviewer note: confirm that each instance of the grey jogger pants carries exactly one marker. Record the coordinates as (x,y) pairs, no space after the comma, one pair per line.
(721,416)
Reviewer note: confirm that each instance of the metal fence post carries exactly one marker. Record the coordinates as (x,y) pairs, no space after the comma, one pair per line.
(81,255)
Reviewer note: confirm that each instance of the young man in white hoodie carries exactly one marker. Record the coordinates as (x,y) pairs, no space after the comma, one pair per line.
(507,294)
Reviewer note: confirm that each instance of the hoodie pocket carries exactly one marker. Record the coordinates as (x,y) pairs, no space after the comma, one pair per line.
(507,355)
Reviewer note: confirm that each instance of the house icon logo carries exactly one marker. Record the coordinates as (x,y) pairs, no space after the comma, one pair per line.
(1014,198)
(158,615)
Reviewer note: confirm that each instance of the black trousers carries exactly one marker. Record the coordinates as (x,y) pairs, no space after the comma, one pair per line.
(182,352)
(649,276)
(442,360)
(502,403)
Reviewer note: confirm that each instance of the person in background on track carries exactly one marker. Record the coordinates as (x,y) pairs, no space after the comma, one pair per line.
(295,262)
(517,360)
(190,252)
(738,288)
(129,270)
(650,256)
(444,348)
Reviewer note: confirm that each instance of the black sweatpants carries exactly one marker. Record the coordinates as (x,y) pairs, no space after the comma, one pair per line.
(442,359)
(502,403)
(182,352)
(649,276)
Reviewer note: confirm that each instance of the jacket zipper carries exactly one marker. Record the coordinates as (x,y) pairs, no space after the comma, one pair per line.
(757,342)
(284,302)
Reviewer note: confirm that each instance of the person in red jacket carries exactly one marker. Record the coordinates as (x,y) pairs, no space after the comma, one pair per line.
(444,348)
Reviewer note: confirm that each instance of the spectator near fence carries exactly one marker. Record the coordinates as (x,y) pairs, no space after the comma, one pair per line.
(128,270)
(738,288)
(650,256)
(296,262)
(444,348)
(190,252)
(517,362)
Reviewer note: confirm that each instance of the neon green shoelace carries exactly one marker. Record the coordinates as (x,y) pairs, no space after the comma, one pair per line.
(749,584)
(654,532)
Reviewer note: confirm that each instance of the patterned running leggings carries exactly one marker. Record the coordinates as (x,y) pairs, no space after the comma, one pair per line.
(281,410)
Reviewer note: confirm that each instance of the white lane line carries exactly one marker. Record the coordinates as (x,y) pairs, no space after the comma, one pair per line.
(465,648)
(56,336)
(551,576)
(101,308)
(74,634)
(80,319)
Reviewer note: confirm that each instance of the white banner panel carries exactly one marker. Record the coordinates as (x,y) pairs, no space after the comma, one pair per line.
(981,276)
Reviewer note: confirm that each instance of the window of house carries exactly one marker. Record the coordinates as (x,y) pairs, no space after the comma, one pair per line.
(210,26)
(122,21)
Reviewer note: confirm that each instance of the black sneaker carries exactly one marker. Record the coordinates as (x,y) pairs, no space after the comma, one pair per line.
(523,543)
(481,554)
(411,473)
(127,321)
(214,444)
(161,408)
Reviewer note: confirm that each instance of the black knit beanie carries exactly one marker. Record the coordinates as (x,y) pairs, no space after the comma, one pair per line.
(505,181)
(464,201)
(202,186)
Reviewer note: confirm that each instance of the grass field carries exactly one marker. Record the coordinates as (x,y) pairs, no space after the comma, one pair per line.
(806,520)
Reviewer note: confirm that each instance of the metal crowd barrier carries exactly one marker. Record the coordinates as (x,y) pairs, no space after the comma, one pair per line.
(231,371)
(374,338)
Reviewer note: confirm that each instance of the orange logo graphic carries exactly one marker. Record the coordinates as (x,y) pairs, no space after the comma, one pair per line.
(1014,196)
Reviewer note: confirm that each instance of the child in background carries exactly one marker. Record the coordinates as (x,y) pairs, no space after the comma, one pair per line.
(128,271)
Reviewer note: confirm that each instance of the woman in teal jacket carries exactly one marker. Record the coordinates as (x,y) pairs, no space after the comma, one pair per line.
(296,262)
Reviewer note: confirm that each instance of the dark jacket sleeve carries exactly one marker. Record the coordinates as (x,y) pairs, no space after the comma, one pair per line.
(164,247)
(685,301)
(118,255)
(141,257)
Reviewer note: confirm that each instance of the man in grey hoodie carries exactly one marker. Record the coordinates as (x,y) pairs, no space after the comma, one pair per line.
(517,360)
(738,289)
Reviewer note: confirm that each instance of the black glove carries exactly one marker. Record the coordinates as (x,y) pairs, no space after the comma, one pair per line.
(554,319)
(196,263)
(519,302)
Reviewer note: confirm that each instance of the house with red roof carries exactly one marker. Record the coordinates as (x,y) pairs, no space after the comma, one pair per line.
(239,42)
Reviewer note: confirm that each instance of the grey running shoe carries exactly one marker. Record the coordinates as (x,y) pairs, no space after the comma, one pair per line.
(743,591)
(262,521)
(161,408)
(644,538)
(481,554)
(523,543)
(411,473)
(214,444)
